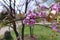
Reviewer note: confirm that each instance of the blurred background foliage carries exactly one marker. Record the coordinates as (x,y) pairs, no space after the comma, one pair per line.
(57,0)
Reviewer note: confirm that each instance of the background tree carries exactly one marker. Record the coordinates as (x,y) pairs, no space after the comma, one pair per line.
(11,12)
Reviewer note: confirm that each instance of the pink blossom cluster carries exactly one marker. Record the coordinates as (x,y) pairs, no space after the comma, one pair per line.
(29,20)
(54,26)
(41,14)
(55,8)
(30,17)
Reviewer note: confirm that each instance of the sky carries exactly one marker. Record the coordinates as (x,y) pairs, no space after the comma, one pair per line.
(31,4)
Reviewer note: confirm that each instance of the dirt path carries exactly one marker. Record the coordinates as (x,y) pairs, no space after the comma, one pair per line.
(4,29)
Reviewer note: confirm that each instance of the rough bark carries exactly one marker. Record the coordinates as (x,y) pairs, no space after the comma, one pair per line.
(23,26)
(15,30)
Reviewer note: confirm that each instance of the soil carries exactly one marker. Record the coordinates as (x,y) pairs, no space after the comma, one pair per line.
(28,37)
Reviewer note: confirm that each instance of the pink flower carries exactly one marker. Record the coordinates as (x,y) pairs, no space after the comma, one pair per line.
(55,7)
(32,15)
(26,21)
(29,20)
(55,29)
(38,14)
(58,5)
(54,26)
(43,8)
(32,22)
(41,14)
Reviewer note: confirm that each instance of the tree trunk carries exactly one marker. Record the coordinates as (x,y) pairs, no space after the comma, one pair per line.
(23,27)
(13,17)
(31,31)
(15,30)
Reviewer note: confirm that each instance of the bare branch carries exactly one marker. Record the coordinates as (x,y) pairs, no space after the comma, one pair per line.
(29,1)
(26,6)
(43,1)
(4,6)
(5,3)
(14,6)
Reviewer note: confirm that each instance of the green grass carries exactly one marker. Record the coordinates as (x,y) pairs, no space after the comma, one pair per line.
(41,32)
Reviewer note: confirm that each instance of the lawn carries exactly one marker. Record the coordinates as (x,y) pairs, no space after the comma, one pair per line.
(41,32)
